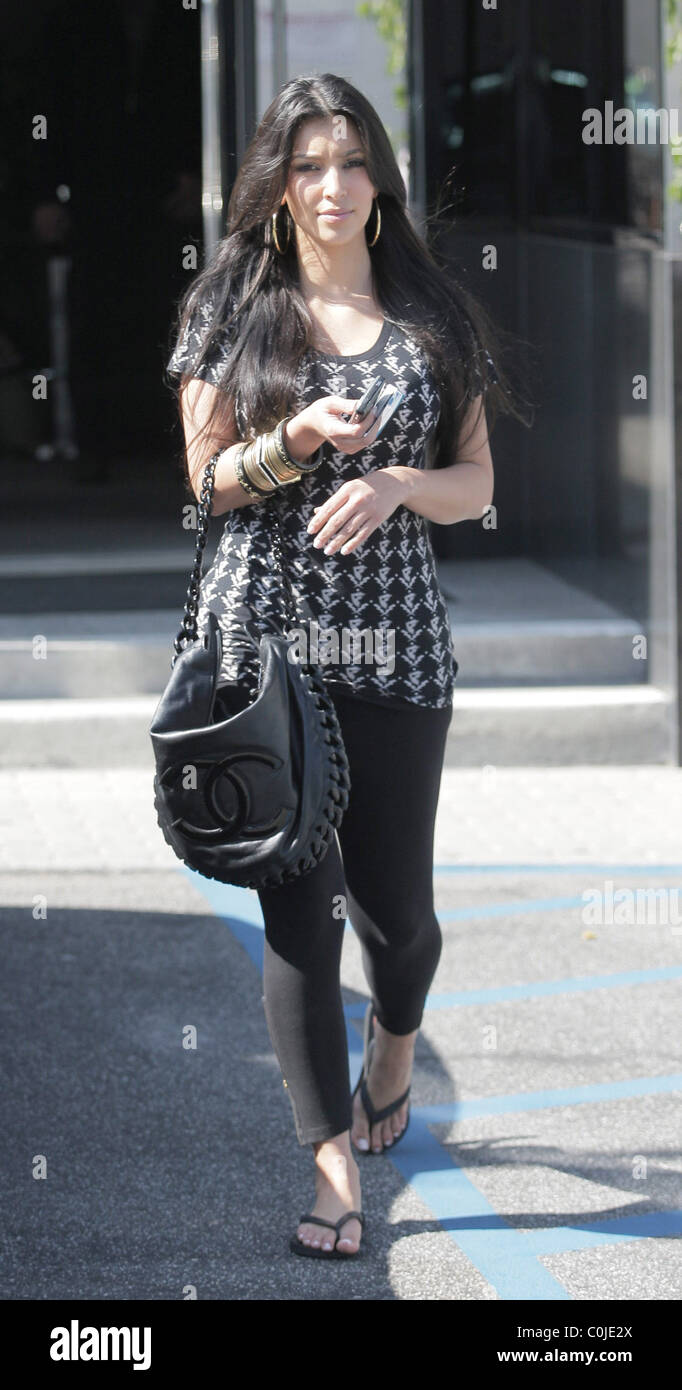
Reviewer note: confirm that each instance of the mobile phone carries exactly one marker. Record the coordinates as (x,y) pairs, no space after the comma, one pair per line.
(366,402)
(387,405)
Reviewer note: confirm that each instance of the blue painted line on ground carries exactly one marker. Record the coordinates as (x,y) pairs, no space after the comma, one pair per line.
(505,1256)
(586,1234)
(238,907)
(517,906)
(598,1091)
(573,868)
(500,994)
(508,909)
(241,909)
(501,1254)
(535,989)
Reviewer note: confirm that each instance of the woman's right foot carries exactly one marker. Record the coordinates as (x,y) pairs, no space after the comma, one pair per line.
(337,1185)
(390,1074)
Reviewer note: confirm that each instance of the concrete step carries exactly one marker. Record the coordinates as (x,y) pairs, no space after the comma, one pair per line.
(86,655)
(513,622)
(553,652)
(532,727)
(102,654)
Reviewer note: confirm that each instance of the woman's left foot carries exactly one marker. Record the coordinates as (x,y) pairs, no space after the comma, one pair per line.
(389,1076)
(337,1185)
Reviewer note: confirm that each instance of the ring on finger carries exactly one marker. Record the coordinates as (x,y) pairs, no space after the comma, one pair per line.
(350,525)
(360,533)
(345,532)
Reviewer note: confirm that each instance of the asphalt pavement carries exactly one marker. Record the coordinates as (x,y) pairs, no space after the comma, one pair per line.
(542,1160)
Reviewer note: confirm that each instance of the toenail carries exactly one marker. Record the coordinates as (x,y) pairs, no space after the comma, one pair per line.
(327,1245)
(363,1144)
(377,1148)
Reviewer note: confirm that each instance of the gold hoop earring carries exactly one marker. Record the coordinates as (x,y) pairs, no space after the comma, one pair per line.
(375,238)
(274,233)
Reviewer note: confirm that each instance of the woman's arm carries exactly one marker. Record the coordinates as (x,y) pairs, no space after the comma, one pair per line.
(197,398)
(196,401)
(460,492)
(321,420)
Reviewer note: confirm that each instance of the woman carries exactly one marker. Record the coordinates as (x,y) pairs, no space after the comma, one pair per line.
(320,284)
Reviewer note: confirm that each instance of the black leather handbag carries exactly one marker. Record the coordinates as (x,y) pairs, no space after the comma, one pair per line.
(246,793)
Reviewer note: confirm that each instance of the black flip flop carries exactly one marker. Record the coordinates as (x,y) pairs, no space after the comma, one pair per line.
(316,1252)
(375,1116)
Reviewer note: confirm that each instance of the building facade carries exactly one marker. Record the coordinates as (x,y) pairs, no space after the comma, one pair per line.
(543,134)
(568,230)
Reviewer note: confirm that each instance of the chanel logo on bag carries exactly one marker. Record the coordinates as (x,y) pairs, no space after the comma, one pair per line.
(226,796)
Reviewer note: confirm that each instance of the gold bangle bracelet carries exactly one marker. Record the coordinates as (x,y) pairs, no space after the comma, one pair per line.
(282,469)
(302,467)
(257,493)
(270,459)
(263,463)
(266,464)
(281,446)
(253,470)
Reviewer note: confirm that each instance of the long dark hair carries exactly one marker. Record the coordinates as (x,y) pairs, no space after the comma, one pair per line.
(258,307)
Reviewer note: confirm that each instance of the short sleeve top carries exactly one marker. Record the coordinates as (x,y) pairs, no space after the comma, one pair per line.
(376,619)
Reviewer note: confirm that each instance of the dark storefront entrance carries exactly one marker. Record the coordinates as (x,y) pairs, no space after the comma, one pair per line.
(149,107)
(103,203)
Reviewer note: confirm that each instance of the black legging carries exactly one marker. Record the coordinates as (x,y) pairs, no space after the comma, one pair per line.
(395,757)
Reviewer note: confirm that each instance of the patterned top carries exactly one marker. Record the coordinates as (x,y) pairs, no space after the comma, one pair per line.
(376,619)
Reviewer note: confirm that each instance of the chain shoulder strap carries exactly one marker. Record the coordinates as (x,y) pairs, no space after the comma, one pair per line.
(188,629)
(278,546)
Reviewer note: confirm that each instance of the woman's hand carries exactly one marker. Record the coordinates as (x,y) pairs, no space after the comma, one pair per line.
(321,420)
(355,510)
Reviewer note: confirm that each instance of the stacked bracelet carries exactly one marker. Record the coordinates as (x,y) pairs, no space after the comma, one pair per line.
(257,467)
(253,491)
(305,467)
(264,464)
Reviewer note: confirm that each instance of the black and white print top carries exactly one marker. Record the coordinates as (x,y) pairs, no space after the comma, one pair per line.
(386,591)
